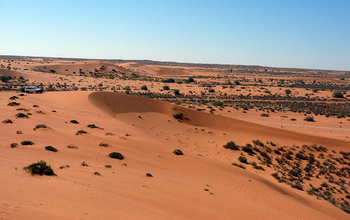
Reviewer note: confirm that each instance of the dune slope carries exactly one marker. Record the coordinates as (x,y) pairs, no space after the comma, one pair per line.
(182,187)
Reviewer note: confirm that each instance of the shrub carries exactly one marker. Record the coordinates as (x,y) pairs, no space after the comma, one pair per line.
(238,165)
(144,87)
(39,168)
(50,148)
(74,121)
(5,78)
(84,164)
(264,115)
(258,143)
(102,144)
(288,91)
(36,106)
(108,166)
(21,115)
(169,80)
(13,97)
(13,104)
(40,126)
(92,126)
(80,132)
(13,145)
(7,121)
(178,116)
(338,94)
(71,146)
(116,155)
(27,143)
(256,166)
(166,87)
(178,152)
(176,92)
(218,103)
(242,159)
(97,174)
(231,145)
(309,118)
(149,175)
(248,148)
(297,185)
(211,90)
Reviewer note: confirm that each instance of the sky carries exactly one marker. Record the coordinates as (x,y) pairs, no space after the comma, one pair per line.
(311,34)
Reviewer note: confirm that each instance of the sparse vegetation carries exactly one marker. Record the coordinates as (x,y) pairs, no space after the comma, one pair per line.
(21,115)
(116,155)
(50,148)
(40,168)
(74,121)
(27,143)
(7,121)
(149,175)
(309,118)
(178,116)
(103,144)
(178,152)
(80,132)
(239,165)
(14,145)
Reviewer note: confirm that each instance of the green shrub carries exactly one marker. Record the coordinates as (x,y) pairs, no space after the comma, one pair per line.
(218,103)
(27,143)
(116,155)
(242,159)
(338,94)
(149,175)
(166,88)
(144,87)
(178,116)
(211,90)
(84,164)
(97,174)
(50,148)
(7,121)
(178,152)
(256,166)
(102,144)
(169,80)
(80,132)
(13,97)
(13,145)
(39,168)
(288,91)
(176,92)
(74,121)
(21,115)
(231,145)
(108,166)
(40,126)
(238,165)
(92,126)
(309,118)
(13,104)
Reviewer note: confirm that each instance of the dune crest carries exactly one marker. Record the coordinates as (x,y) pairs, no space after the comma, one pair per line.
(114,103)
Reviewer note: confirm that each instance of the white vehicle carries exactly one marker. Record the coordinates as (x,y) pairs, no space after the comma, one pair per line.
(33,89)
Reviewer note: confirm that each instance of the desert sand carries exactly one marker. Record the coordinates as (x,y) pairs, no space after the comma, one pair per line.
(200,184)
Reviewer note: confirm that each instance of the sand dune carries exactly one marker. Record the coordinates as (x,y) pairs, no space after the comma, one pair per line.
(176,190)
(114,103)
(86,67)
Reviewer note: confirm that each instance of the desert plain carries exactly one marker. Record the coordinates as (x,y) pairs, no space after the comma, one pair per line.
(198,141)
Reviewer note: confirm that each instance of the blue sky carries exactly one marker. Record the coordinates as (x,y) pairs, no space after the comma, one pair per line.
(280,33)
